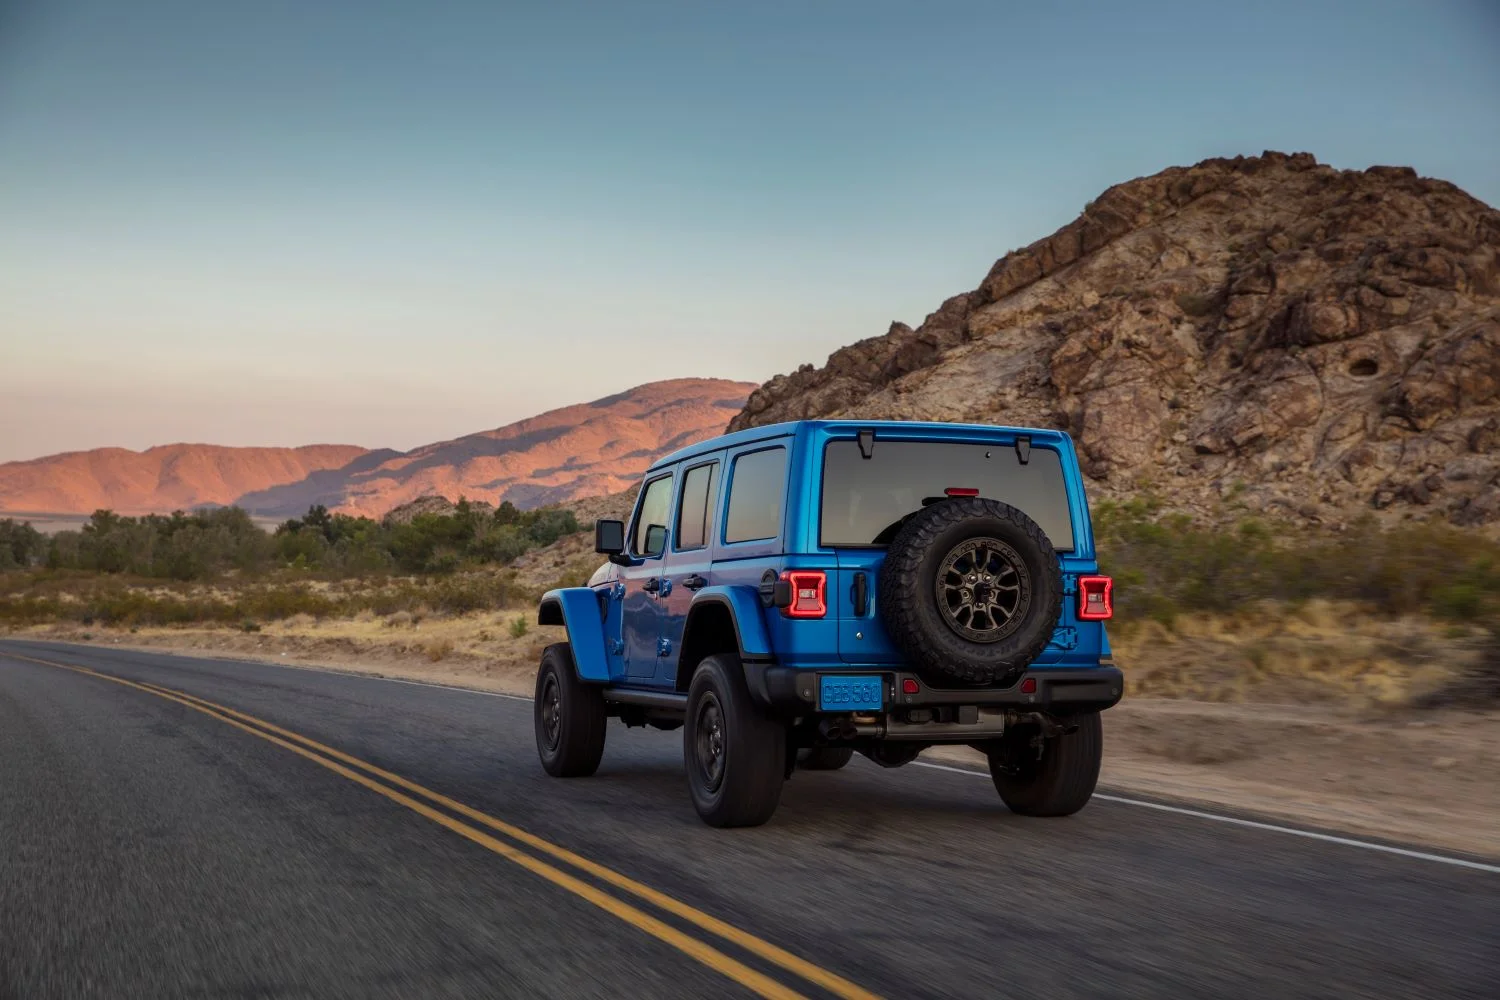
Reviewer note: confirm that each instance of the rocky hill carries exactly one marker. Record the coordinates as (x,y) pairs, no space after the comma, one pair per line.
(166,478)
(1309,342)
(578,451)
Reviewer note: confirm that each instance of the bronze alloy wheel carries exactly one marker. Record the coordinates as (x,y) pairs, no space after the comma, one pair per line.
(983,589)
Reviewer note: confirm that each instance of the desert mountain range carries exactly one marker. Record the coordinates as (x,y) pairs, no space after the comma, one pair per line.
(577,451)
(1296,339)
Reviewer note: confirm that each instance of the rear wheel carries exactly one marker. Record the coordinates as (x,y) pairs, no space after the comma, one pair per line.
(824,758)
(569,715)
(1060,780)
(735,755)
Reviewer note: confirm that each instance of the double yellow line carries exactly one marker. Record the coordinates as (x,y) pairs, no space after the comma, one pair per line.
(351,767)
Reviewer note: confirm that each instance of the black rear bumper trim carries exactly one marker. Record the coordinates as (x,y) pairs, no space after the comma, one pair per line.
(1059,689)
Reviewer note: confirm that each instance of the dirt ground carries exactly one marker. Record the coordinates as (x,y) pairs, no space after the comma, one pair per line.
(1428,777)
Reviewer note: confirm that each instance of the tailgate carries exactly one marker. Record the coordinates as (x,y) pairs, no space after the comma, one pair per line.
(862,638)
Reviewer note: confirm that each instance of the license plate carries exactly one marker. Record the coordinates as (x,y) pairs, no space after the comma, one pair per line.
(856,693)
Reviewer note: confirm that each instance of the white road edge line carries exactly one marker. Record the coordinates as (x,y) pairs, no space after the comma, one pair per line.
(1117,799)
(1254,825)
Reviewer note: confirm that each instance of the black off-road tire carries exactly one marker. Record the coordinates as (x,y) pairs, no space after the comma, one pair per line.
(824,758)
(746,787)
(1062,781)
(571,744)
(909,604)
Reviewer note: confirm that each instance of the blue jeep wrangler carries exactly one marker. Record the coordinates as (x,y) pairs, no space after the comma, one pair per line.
(794,593)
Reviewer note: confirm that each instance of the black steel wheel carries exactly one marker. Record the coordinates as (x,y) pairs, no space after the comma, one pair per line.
(735,754)
(709,738)
(569,717)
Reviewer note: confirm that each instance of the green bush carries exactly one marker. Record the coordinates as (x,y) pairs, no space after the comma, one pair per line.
(21,545)
(210,544)
(1166,565)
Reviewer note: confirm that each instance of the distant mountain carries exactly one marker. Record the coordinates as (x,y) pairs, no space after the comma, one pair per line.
(578,451)
(1302,341)
(166,478)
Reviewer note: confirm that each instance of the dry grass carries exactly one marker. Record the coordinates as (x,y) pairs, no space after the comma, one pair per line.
(1319,651)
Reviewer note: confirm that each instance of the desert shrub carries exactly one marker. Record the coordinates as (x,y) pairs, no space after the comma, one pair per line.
(277,603)
(433,544)
(1165,565)
(21,545)
(182,546)
(519,627)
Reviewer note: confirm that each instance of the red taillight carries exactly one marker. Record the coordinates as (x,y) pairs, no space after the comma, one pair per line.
(962,491)
(1095,598)
(910,686)
(1028,686)
(809,593)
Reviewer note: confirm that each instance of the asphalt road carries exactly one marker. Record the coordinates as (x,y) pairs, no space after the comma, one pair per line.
(156,846)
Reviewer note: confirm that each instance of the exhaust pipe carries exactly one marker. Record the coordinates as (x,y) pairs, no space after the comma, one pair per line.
(844,730)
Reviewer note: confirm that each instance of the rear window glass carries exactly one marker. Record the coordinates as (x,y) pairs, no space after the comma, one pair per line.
(755,490)
(865,499)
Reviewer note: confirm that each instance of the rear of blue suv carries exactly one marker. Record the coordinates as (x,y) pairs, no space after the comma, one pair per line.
(791,595)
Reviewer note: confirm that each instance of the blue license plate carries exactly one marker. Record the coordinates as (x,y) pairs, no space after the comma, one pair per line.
(846,693)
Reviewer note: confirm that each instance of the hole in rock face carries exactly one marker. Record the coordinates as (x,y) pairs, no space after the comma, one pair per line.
(1364,368)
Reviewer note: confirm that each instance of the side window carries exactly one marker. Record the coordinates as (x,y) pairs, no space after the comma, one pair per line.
(755,493)
(656,504)
(699,489)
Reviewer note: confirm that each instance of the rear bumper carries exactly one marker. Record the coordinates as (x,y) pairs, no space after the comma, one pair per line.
(1059,690)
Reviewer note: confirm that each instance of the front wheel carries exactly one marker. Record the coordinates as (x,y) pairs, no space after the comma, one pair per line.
(569,715)
(1060,779)
(735,755)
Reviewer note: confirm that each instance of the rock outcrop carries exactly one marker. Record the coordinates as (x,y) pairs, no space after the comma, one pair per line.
(1314,342)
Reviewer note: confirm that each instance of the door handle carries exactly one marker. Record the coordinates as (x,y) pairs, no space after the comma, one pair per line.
(695,582)
(861,595)
(652,585)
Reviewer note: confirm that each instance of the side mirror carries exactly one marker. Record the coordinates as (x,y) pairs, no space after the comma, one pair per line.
(609,537)
(656,540)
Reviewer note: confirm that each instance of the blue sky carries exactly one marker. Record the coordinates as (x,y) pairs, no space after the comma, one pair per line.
(278,222)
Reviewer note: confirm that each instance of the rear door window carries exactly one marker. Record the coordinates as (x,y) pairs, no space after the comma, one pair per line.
(756,486)
(699,491)
(866,499)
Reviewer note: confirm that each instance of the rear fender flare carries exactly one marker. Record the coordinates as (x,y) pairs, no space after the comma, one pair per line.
(577,609)
(743,604)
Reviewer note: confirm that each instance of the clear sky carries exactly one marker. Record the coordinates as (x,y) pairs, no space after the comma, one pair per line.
(283,222)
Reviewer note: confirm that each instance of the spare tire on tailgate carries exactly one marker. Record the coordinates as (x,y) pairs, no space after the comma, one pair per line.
(970,591)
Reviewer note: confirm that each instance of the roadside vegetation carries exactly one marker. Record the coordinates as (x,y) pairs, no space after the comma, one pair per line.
(1403,615)
(216,567)
(1166,566)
